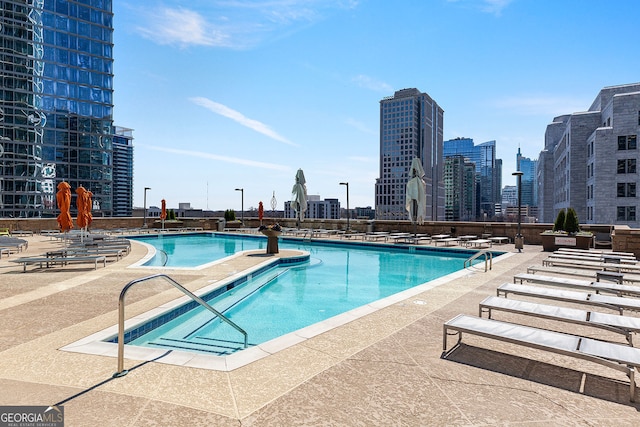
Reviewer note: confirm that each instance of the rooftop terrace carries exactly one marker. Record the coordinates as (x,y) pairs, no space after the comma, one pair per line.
(384,368)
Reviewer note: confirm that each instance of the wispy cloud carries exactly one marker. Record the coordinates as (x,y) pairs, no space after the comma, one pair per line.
(541,105)
(226,159)
(237,24)
(359,125)
(182,27)
(494,7)
(240,118)
(371,83)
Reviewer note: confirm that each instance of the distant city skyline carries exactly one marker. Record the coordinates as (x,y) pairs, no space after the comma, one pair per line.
(242,94)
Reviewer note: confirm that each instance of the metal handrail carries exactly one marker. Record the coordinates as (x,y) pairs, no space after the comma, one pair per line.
(488,259)
(121,371)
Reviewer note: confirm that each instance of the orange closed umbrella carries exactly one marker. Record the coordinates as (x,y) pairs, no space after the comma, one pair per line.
(260,212)
(83,203)
(89,206)
(163,212)
(63,197)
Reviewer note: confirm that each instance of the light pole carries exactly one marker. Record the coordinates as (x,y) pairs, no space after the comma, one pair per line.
(519,244)
(144,221)
(241,190)
(348,211)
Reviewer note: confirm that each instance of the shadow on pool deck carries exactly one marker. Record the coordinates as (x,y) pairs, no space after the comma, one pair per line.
(382,369)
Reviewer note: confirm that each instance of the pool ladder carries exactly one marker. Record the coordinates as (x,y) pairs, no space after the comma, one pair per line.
(488,259)
(121,371)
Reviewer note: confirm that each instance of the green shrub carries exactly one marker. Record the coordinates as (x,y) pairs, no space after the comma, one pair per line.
(229,215)
(571,224)
(560,220)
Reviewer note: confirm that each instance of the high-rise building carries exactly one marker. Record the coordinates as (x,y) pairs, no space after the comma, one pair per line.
(122,172)
(529,180)
(410,126)
(56,103)
(459,189)
(488,172)
(316,208)
(510,195)
(589,161)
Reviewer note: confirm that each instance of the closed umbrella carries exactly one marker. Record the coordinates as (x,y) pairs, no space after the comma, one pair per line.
(260,212)
(83,203)
(299,196)
(416,203)
(163,212)
(63,197)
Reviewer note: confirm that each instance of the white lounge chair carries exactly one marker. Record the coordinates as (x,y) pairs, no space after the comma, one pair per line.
(606,287)
(614,303)
(595,251)
(447,241)
(580,272)
(479,243)
(612,322)
(51,261)
(593,265)
(616,356)
(594,257)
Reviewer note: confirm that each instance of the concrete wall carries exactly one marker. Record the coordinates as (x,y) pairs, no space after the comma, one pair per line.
(625,238)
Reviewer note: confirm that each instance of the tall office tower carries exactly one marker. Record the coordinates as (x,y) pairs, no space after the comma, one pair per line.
(529,180)
(55,103)
(510,195)
(488,172)
(590,160)
(122,172)
(410,126)
(459,189)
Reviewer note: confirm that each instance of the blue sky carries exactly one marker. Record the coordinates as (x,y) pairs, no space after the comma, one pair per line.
(240,94)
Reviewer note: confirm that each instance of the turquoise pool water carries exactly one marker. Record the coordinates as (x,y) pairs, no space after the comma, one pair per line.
(197,249)
(336,278)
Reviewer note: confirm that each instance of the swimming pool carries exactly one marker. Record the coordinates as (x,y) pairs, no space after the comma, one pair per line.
(196,250)
(275,301)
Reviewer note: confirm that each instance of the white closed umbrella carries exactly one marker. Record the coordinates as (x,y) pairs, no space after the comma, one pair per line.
(416,203)
(299,196)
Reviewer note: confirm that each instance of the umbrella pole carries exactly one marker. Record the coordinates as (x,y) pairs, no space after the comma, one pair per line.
(414,208)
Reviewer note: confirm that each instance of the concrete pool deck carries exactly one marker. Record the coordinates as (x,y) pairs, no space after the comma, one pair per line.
(384,368)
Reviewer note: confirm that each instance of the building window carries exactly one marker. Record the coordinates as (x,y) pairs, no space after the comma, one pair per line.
(626,189)
(627,142)
(627,166)
(626,213)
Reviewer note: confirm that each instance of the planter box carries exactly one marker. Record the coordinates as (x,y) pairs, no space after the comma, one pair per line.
(552,242)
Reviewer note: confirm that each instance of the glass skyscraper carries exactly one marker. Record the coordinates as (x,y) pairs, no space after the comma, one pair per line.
(122,172)
(410,126)
(55,103)
(488,172)
(529,169)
